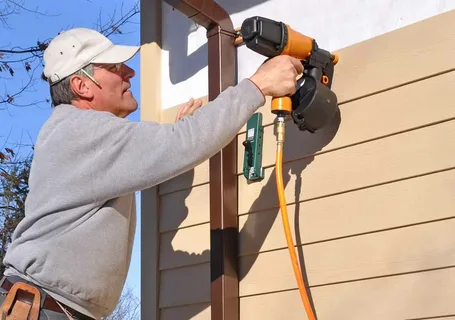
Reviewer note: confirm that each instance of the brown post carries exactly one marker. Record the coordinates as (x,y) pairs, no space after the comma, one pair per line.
(223,166)
(223,190)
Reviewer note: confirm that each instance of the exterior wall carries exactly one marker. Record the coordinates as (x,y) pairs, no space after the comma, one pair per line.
(369,197)
(334,24)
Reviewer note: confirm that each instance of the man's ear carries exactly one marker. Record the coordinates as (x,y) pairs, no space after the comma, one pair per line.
(81,87)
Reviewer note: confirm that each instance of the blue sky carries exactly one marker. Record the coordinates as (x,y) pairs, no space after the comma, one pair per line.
(21,125)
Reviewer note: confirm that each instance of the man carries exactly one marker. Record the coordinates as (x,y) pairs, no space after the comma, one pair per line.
(76,238)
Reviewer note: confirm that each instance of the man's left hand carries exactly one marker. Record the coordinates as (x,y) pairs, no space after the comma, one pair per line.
(188,108)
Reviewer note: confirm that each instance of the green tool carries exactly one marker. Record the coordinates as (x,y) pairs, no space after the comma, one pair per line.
(252,160)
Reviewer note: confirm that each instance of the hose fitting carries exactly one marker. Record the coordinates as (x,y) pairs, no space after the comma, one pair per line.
(280,135)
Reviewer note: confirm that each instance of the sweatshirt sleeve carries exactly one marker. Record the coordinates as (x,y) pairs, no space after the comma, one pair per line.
(132,156)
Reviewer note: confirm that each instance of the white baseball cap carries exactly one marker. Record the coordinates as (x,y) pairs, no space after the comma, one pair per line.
(74,49)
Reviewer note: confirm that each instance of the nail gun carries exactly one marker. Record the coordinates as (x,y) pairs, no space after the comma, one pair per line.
(314,103)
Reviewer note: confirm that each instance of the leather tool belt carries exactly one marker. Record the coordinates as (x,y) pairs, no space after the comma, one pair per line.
(24,301)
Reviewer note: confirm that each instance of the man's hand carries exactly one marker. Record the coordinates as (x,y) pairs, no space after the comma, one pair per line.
(278,76)
(188,108)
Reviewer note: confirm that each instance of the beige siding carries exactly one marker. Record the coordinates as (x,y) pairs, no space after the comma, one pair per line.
(195,312)
(370,198)
(184,286)
(361,166)
(197,176)
(184,242)
(416,296)
(176,212)
(403,250)
(399,204)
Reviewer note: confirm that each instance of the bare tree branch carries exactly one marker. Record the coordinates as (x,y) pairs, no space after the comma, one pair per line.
(26,59)
(39,48)
(113,26)
(21,6)
(7,10)
(10,98)
(127,308)
(14,7)
(7,207)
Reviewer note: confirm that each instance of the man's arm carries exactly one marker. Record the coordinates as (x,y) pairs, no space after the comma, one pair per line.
(132,156)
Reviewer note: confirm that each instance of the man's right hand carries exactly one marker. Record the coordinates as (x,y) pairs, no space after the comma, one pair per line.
(278,76)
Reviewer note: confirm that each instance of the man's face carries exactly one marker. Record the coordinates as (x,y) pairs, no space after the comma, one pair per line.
(113,94)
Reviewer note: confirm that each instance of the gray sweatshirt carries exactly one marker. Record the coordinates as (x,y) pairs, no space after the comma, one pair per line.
(77,235)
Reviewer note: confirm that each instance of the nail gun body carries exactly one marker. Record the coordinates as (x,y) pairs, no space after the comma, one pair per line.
(314,103)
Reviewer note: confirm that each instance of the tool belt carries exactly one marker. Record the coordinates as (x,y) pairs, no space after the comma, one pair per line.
(24,301)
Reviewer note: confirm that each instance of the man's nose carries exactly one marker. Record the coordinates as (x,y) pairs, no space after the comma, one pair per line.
(128,72)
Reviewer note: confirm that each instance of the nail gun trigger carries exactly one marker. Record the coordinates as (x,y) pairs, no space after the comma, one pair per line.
(301,82)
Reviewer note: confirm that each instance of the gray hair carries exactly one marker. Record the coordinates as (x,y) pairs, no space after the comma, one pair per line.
(61,92)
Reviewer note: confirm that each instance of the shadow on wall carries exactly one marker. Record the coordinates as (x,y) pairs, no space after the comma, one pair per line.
(257,226)
(183,66)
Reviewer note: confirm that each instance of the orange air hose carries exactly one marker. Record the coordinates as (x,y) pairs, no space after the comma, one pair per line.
(280,131)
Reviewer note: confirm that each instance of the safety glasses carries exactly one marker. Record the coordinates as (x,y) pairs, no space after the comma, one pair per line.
(111,67)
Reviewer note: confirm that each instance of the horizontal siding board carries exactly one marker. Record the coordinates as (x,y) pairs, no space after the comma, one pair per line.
(184,208)
(396,157)
(199,311)
(404,250)
(185,247)
(184,286)
(401,203)
(390,59)
(196,176)
(418,104)
(411,296)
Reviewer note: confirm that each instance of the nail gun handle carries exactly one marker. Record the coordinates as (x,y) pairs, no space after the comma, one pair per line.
(281,105)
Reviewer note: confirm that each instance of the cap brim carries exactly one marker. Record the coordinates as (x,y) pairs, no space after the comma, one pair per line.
(117,54)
